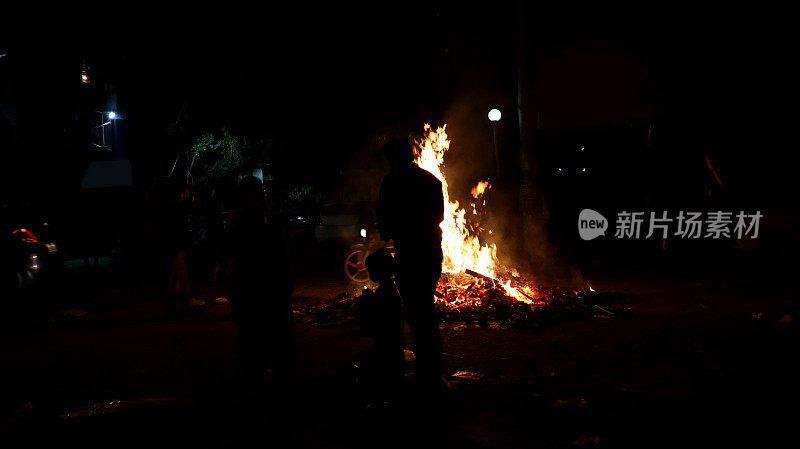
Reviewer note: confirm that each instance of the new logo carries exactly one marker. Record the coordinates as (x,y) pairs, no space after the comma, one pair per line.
(591,224)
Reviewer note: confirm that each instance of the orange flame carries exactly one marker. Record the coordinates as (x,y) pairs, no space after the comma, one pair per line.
(461,250)
(479,189)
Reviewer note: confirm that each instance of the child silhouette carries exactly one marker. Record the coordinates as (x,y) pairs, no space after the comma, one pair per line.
(382,319)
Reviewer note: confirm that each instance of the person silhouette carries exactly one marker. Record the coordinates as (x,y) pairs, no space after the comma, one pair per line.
(171,241)
(260,286)
(381,316)
(410,210)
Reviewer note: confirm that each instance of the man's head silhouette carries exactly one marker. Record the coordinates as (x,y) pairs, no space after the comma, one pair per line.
(250,193)
(250,188)
(398,153)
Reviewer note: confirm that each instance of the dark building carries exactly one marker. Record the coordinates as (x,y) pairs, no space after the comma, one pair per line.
(62,137)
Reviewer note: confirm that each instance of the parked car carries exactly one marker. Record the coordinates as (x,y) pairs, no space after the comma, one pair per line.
(26,260)
(344,222)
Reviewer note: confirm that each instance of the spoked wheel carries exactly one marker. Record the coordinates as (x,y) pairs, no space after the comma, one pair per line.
(355,266)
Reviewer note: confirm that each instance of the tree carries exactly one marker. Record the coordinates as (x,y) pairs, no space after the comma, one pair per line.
(214,156)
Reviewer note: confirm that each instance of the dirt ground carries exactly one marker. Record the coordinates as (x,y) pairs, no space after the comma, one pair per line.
(697,364)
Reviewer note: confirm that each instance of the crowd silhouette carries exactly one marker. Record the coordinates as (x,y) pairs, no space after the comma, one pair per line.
(255,256)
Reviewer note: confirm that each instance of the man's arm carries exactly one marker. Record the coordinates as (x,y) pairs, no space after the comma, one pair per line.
(382,213)
(439,206)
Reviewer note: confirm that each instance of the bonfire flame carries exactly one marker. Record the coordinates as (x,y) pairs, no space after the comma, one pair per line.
(479,189)
(462,249)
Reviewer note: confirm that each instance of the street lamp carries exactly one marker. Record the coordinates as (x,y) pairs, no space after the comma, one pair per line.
(494,117)
(110,115)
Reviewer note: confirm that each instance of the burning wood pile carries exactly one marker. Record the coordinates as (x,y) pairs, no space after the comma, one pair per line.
(472,298)
(481,302)
(469,290)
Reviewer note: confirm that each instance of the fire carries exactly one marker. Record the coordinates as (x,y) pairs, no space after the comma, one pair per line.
(480,189)
(462,250)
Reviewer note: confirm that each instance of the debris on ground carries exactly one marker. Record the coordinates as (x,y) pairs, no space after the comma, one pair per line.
(572,403)
(72,313)
(586,441)
(339,312)
(469,375)
(483,302)
(96,408)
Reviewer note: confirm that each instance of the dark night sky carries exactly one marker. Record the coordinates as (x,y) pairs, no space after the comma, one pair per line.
(329,75)
(325,76)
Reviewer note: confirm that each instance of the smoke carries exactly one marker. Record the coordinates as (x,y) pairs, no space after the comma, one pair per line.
(508,219)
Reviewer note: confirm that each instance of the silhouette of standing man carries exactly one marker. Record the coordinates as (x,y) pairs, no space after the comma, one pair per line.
(260,287)
(410,209)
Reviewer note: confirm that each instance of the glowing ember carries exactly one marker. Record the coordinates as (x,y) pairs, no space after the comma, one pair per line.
(462,249)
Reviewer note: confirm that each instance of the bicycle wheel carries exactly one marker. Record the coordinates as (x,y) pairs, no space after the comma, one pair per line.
(355,266)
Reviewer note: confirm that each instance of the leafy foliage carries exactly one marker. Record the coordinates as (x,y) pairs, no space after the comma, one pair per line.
(300,192)
(221,154)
